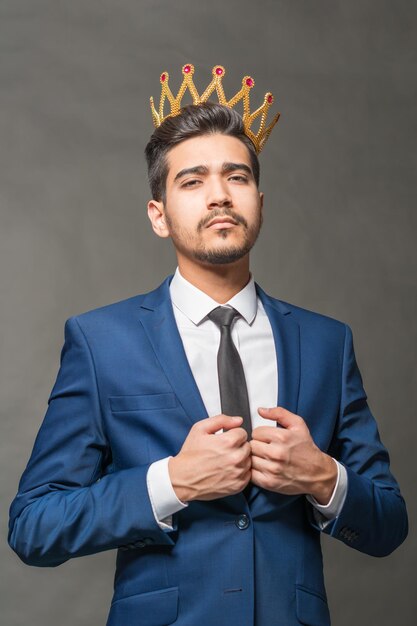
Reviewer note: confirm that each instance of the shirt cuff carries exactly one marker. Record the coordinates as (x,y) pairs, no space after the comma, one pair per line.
(163,498)
(333,508)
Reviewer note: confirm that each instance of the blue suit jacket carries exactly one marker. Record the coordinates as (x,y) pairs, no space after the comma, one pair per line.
(125,397)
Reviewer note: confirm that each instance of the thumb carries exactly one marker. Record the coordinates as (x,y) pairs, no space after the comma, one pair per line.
(285,418)
(211,425)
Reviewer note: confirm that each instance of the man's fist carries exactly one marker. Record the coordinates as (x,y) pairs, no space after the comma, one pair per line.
(211,465)
(287,460)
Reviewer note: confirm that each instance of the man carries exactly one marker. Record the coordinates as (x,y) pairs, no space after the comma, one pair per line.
(207,430)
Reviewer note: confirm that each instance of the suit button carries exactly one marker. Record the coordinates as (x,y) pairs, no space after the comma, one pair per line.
(148,541)
(242,522)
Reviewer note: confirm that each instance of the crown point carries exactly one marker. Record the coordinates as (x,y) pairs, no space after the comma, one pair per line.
(218,73)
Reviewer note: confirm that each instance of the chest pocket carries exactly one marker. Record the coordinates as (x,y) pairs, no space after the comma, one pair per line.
(143,402)
(145,428)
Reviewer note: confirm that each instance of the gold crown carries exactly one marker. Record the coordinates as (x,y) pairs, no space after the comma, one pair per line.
(259,139)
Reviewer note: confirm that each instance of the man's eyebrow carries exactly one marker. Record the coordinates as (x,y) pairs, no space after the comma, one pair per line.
(203,169)
(232,167)
(197,169)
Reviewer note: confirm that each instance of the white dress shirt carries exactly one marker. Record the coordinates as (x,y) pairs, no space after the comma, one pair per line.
(253,338)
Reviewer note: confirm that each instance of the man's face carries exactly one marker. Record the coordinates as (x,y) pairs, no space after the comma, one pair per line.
(213,209)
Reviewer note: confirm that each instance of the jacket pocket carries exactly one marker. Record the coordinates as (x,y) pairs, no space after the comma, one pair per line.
(155,608)
(143,402)
(311,607)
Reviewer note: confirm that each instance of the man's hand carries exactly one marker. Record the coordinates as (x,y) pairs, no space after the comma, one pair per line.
(287,460)
(210,465)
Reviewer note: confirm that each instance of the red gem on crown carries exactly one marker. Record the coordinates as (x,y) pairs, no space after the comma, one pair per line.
(219,71)
(249,82)
(270,98)
(187,69)
(163,77)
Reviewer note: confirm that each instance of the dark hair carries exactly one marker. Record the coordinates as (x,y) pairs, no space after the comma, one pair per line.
(194,119)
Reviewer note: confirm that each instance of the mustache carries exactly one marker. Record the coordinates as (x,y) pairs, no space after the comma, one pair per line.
(223,213)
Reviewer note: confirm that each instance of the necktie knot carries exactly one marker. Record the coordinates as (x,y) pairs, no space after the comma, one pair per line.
(223,316)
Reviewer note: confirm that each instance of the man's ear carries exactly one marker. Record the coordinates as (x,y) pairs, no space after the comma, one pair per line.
(156,213)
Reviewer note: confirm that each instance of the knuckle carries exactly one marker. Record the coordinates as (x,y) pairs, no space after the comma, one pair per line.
(228,442)
(241,433)
(244,436)
(239,436)
(268,481)
(278,453)
(235,457)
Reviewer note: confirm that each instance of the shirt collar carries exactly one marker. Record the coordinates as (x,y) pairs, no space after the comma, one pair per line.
(196,304)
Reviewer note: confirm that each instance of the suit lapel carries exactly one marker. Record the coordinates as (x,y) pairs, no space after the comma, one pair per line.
(157,318)
(286,333)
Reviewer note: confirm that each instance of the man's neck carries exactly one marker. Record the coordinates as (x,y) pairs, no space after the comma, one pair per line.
(220,282)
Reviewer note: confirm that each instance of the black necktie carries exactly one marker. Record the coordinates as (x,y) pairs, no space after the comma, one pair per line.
(233,391)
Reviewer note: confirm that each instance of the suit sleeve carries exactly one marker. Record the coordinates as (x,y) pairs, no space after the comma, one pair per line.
(373,518)
(69,502)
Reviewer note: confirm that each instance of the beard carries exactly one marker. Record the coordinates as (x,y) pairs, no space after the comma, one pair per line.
(191,246)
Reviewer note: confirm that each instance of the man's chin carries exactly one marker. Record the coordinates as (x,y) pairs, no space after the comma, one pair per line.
(221,257)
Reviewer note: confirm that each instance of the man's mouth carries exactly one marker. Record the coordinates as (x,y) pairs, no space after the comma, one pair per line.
(221,222)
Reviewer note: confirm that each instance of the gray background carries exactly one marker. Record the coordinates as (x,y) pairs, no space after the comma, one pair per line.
(339,235)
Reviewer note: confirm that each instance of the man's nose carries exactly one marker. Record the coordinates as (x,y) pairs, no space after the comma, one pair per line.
(218,195)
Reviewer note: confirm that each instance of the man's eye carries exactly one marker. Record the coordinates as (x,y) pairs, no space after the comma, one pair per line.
(195,181)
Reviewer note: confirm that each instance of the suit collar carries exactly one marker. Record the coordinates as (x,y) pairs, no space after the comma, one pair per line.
(153,299)
(196,305)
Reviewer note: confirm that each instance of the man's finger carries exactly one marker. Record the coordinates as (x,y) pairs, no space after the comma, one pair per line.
(260,448)
(211,425)
(265,434)
(282,416)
